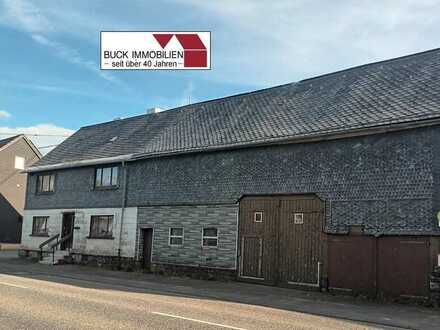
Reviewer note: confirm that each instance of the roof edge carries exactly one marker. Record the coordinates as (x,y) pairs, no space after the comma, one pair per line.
(17,137)
(321,136)
(79,163)
(369,64)
(33,147)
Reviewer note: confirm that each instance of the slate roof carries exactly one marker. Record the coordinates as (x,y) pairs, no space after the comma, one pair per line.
(394,91)
(6,141)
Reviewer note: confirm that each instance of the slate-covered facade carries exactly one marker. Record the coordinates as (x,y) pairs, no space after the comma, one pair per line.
(333,161)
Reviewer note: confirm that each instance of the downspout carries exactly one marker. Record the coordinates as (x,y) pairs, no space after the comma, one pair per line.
(123,205)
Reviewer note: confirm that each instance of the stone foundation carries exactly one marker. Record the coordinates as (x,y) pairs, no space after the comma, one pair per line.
(32,254)
(109,262)
(130,264)
(202,273)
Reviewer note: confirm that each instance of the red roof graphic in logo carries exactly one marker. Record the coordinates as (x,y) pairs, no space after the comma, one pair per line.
(163,39)
(194,51)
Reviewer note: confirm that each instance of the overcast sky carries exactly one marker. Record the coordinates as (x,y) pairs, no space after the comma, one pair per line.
(50,82)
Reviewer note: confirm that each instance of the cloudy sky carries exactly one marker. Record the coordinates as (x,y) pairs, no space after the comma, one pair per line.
(50,82)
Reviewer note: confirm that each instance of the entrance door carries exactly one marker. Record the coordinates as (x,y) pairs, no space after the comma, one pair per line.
(147,242)
(67,230)
(281,239)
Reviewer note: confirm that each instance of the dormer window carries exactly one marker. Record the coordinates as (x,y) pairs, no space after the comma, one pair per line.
(106,177)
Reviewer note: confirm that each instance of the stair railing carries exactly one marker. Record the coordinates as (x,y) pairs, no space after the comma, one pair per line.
(42,245)
(55,245)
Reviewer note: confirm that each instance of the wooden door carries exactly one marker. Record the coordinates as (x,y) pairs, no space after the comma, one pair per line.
(277,248)
(147,243)
(67,230)
(352,264)
(301,240)
(403,266)
(257,239)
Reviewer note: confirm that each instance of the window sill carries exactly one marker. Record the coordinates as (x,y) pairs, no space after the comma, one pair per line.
(39,235)
(44,193)
(106,188)
(209,247)
(94,237)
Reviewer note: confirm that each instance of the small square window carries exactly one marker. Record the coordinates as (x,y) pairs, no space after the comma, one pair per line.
(19,163)
(176,236)
(298,218)
(39,226)
(258,216)
(210,237)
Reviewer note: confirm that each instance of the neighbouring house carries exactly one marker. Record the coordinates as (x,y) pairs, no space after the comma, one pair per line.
(330,182)
(16,153)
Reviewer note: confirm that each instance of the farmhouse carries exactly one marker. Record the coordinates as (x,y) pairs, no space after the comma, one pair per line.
(330,182)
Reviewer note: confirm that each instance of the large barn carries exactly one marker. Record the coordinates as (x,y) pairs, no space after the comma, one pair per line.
(327,183)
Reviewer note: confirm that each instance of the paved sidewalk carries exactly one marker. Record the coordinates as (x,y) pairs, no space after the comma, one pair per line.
(392,315)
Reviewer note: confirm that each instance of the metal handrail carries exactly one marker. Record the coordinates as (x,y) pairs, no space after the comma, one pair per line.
(49,240)
(64,239)
(55,245)
(54,237)
(59,242)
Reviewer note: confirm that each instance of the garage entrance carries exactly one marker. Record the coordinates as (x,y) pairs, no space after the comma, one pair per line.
(281,240)
(388,266)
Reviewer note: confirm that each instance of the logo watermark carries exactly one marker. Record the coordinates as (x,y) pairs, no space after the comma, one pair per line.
(155,50)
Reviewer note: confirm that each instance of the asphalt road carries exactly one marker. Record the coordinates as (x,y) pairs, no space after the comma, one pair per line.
(28,303)
(45,297)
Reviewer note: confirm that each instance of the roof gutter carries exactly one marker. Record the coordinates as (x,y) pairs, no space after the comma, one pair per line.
(80,163)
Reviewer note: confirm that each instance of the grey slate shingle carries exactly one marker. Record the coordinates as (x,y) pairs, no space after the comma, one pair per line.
(388,92)
(6,141)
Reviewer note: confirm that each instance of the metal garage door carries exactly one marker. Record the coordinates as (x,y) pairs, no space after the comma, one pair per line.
(281,239)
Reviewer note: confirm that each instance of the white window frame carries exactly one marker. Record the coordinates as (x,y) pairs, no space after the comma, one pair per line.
(298,218)
(210,237)
(40,185)
(19,163)
(258,213)
(176,236)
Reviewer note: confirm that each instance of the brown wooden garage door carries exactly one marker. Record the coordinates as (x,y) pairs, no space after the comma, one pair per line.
(281,239)
(385,267)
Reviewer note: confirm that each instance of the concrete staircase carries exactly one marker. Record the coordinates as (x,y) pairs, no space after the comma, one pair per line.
(57,259)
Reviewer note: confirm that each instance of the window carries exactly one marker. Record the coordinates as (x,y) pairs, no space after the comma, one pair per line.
(258,216)
(101,226)
(210,237)
(39,226)
(176,236)
(45,183)
(19,163)
(298,218)
(106,177)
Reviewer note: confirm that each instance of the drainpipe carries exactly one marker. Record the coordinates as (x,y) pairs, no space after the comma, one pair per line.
(123,205)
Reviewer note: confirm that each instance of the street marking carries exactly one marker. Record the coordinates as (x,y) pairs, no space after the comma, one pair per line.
(199,321)
(14,285)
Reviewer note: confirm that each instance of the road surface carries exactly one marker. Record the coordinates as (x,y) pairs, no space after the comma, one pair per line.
(47,297)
